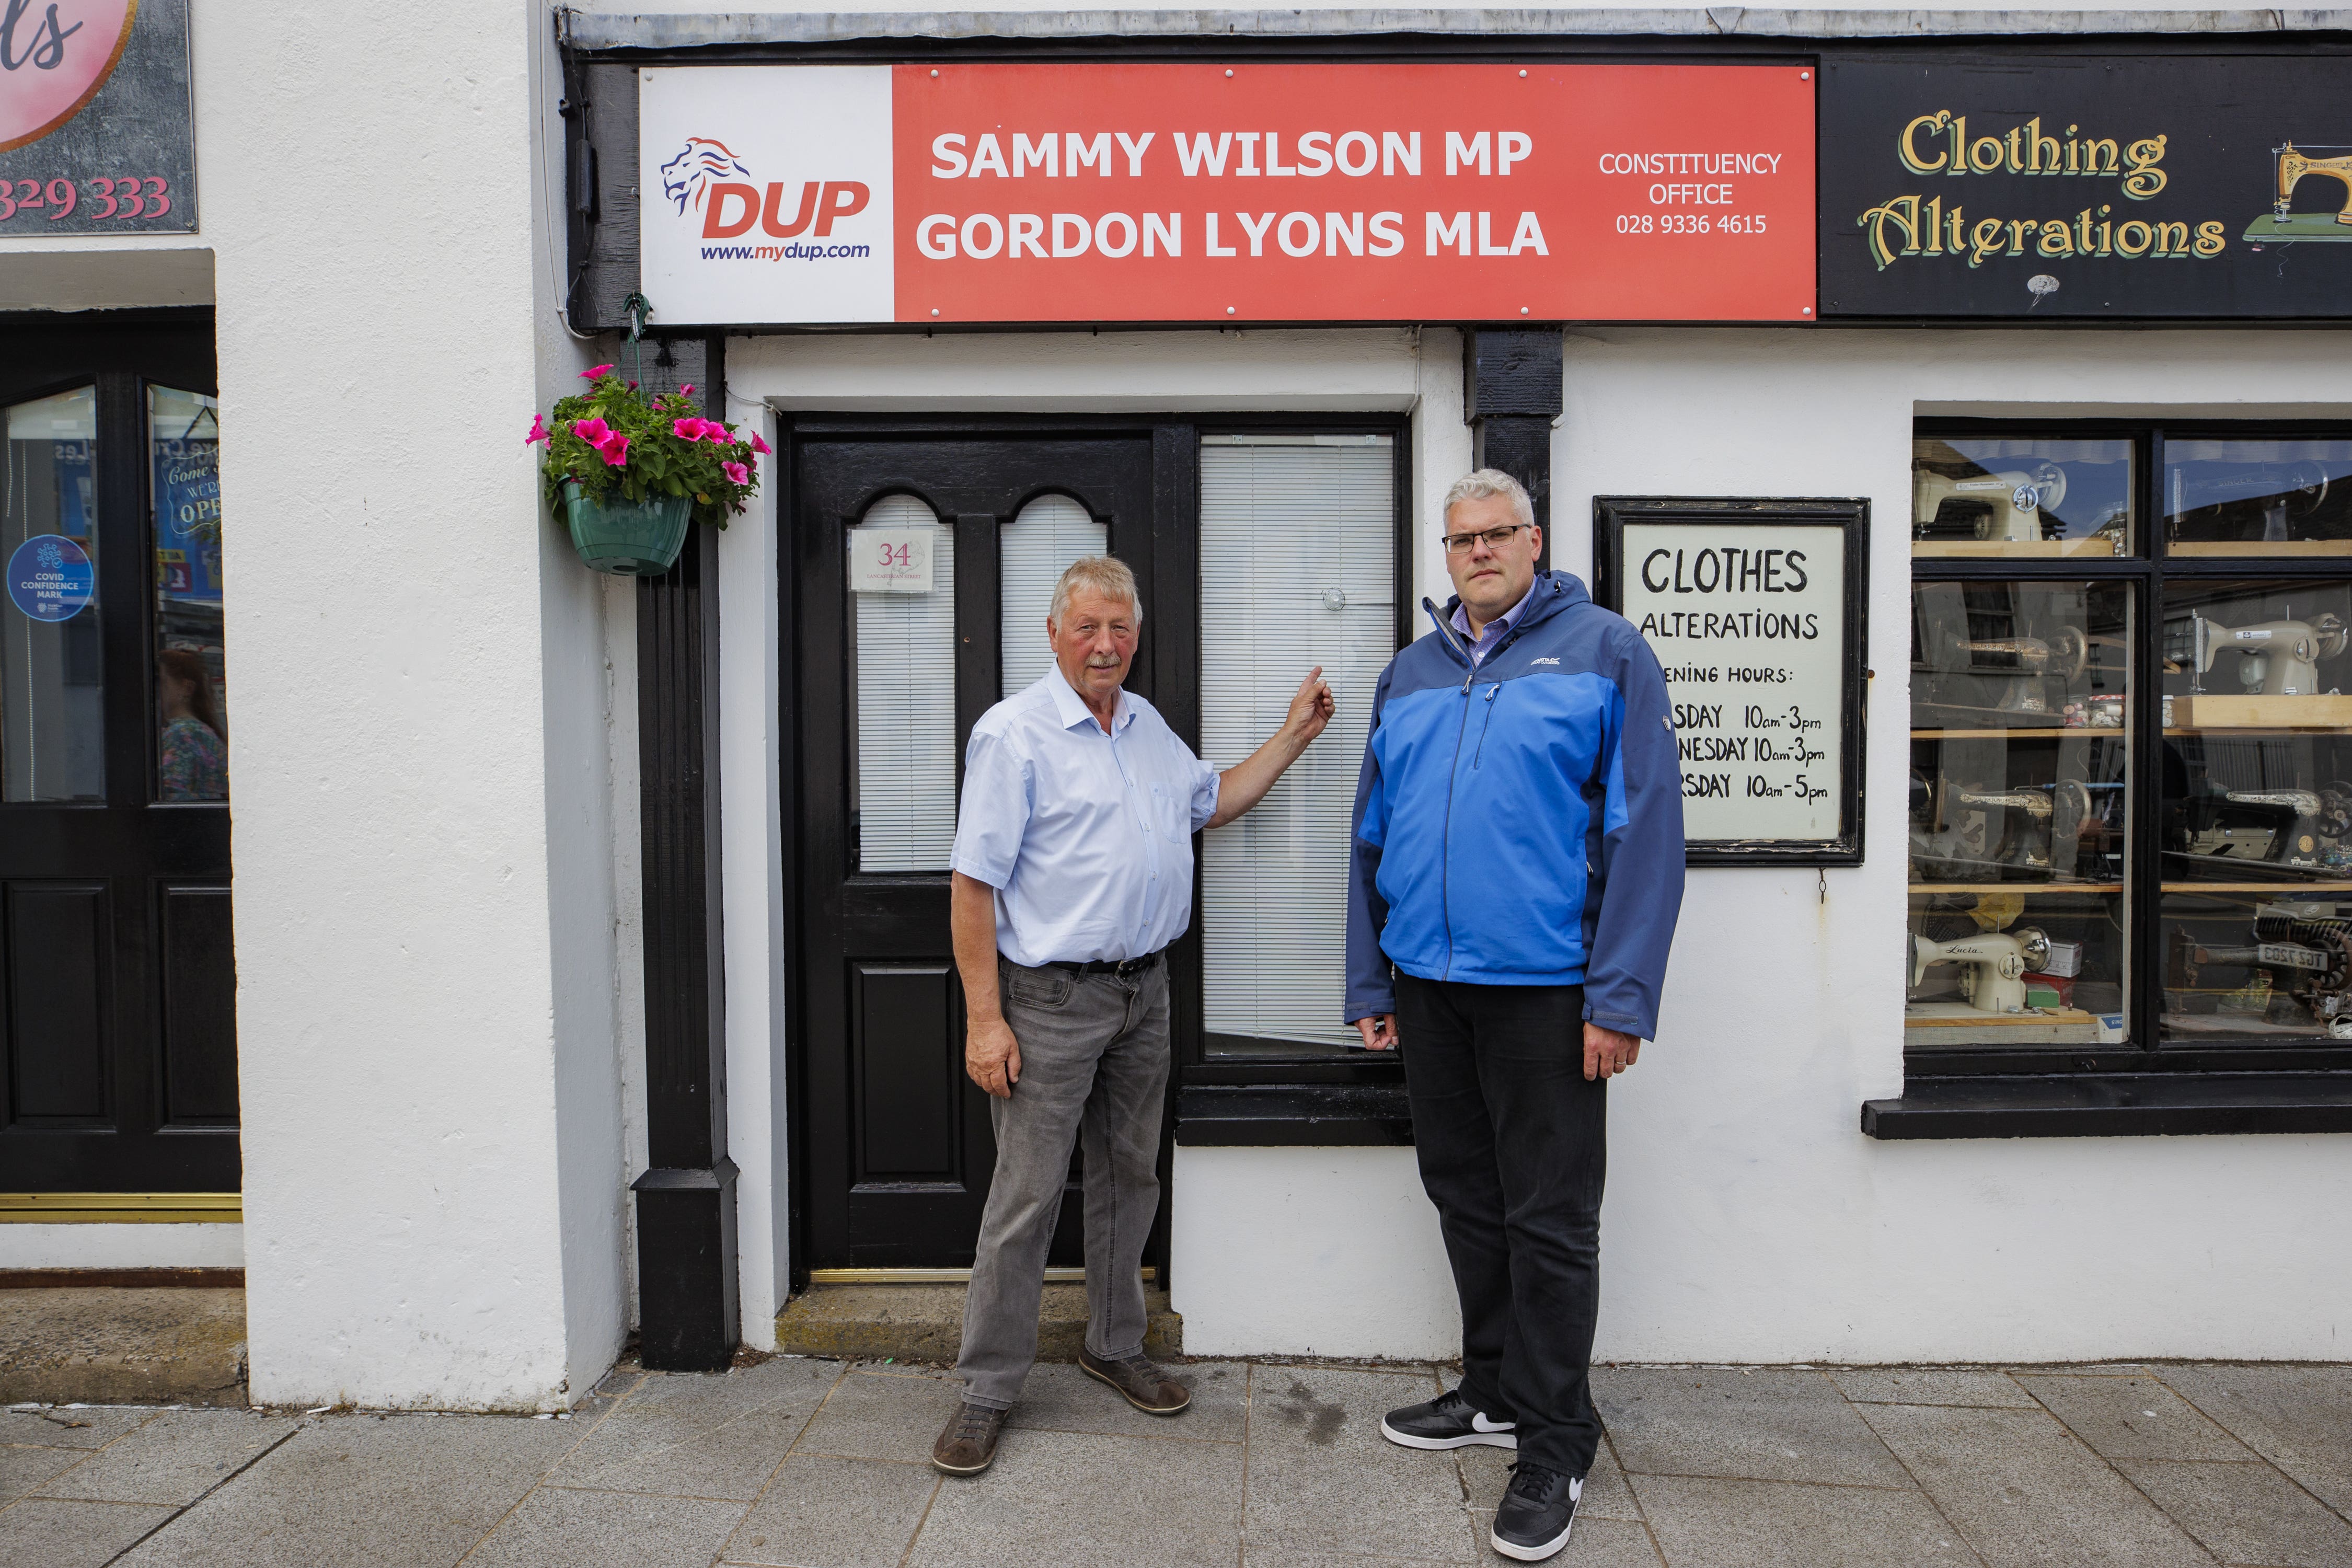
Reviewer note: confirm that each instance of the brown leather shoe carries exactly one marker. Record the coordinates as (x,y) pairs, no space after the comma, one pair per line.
(967,1444)
(1147,1388)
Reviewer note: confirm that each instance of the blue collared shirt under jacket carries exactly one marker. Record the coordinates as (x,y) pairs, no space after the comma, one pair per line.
(1087,836)
(1521,822)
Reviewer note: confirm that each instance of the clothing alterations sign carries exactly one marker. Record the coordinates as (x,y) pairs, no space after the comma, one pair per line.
(96,134)
(1249,193)
(1754,609)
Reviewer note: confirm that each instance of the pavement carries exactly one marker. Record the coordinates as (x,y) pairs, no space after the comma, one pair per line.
(822,1464)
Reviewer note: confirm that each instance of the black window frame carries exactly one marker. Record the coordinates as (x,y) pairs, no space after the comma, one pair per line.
(2142,1086)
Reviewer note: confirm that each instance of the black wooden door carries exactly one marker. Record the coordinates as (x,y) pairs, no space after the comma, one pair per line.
(898,1150)
(117,992)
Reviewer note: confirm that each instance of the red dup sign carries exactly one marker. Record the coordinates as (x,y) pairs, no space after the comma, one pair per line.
(1248,193)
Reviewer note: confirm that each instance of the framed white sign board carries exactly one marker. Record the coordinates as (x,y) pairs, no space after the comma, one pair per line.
(1756,610)
(890,559)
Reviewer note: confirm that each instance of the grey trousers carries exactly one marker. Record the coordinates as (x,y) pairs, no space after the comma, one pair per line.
(1094,1067)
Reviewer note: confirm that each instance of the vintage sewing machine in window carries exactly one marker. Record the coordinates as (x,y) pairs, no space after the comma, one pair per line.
(2256,825)
(2018,813)
(2232,496)
(2001,497)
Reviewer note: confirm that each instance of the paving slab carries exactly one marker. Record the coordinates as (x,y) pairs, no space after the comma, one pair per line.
(871,1416)
(2024,1493)
(1771,1424)
(124,1346)
(1065,1399)
(59,1426)
(60,1534)
(27,1470)
(1322,1477)
(1592,1543)
(1930,1385)
(824,1512)
(386,1491)
(719,1435)
(1486,1471)
(175,1459)
(2243,1514)
(1068,1499)
(2297,1417)
(1706,1523)
(2133,1419)
(557,1528)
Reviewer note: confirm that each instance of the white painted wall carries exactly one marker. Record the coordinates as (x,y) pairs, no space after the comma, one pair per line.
(121,1246)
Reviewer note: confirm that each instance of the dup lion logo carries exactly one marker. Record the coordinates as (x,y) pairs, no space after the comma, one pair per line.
(687,178)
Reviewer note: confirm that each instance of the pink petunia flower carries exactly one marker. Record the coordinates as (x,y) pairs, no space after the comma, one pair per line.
(687,391)
(736,472)
(593,373)
(757,445)
(615,450)
(596,431)
(688,429)
(538,431)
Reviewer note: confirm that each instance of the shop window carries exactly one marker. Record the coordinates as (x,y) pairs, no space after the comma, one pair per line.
(52,717)
(1298,569)
(2131,766)
(191,676)
(902,781)
(1033,551)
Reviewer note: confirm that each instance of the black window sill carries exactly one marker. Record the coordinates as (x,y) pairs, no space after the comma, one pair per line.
(1293,1115)
(2113,1105)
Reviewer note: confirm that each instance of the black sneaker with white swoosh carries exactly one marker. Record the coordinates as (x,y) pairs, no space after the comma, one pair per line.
(1447,1422)
(1537,1509)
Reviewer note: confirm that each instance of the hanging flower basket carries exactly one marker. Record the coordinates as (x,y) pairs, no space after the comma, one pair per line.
(628,473)
(626,538)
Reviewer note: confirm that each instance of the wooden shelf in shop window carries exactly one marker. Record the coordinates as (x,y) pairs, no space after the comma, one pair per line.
(2013,549)
(2286,890)
(2031,887)
(2212,712)
(1930,1024)
(2038,732)
(2243,548)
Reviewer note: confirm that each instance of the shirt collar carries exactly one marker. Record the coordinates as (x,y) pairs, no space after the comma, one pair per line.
(1071,709)
(1501,622)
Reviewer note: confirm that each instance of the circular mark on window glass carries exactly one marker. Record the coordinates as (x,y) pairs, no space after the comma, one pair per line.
(50,577)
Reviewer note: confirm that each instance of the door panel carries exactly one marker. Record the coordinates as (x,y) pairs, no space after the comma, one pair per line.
(119,1027)
(899,1149)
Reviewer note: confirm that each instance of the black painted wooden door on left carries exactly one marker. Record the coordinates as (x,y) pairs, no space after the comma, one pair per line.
(891,680)
(116,990)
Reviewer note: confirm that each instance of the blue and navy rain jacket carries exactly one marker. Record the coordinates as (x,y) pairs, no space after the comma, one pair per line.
(1521,823)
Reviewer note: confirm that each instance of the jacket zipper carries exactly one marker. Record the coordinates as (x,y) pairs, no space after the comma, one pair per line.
(1493,690)
(1446,840)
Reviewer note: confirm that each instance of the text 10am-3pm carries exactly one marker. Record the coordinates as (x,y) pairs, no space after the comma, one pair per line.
(129,195)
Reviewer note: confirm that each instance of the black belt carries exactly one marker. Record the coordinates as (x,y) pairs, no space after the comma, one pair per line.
(1125,968)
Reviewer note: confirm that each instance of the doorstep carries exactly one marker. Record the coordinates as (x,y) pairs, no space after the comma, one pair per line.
(114,1344)
(925,1324)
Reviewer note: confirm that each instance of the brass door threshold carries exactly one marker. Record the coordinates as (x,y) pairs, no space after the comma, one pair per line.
(938,1275)
(122,1208)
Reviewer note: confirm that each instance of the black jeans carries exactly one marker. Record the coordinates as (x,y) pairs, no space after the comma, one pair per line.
(1513,1144)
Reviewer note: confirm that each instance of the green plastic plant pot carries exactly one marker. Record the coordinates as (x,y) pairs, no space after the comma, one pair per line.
(626,538)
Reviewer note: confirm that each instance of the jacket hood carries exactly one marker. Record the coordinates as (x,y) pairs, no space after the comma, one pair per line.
(1553,592)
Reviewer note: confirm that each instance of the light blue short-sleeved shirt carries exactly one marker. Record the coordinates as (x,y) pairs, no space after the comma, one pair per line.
(1086,837)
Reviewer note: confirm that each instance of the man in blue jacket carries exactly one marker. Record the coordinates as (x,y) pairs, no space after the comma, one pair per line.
(1517,867)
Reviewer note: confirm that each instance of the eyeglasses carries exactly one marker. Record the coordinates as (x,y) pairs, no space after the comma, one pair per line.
(1496,538)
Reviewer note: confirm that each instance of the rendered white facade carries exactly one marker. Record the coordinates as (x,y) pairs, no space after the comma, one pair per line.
(435,841)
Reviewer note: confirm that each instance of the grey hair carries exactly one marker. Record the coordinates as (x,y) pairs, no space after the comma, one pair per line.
(1480,483)
(1105,574)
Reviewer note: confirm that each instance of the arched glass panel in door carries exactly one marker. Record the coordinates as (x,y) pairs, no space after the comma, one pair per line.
(902,690)
(1034,549)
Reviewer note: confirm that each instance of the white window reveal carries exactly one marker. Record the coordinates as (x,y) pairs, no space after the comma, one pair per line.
(1298,569)
(902,681)
(1035,549)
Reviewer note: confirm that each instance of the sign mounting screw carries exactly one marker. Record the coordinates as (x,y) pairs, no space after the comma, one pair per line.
(1809,310)
(935,310)
(1229,73)
(1801,76)
(1229,309)
(935,73)
(1523,309)
(1523,76)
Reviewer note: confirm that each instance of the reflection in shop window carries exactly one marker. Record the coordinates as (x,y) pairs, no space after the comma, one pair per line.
(2019,498)
(52,709)
(902,692)
(1298,569)
(2240,497)
(191,676)
(2020,812)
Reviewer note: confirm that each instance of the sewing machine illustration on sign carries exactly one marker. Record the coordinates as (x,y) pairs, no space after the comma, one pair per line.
(2289,165)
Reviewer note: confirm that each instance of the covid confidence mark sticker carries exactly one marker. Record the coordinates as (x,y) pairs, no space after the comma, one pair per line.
(50,577)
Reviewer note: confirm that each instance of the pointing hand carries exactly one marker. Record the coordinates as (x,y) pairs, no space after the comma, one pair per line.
(1310,709)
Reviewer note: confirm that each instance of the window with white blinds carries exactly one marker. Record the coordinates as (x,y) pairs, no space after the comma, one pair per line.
(902,690)
(1033,551)
(1298,569)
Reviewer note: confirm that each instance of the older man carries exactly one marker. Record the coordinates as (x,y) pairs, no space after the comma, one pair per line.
(1072,872)
(1518,869)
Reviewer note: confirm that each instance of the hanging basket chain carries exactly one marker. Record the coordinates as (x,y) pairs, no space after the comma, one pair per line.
(639,310)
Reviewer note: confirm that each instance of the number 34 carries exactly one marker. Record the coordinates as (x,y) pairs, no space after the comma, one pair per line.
(897,555)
